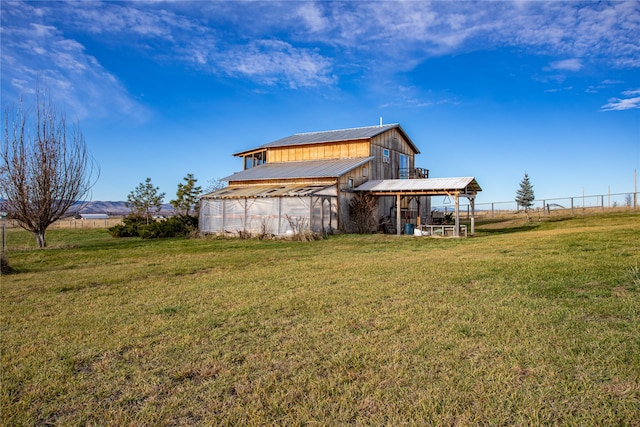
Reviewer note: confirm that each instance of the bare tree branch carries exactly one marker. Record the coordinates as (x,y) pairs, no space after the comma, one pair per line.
(46,167)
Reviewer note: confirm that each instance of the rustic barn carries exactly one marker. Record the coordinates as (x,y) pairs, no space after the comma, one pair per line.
(309,179)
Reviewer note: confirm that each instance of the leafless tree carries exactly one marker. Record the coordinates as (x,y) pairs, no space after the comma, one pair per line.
(214,184)
(45,166)
(361,212)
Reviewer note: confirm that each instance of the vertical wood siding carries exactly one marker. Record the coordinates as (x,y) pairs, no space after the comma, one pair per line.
(325,151)
(396,144)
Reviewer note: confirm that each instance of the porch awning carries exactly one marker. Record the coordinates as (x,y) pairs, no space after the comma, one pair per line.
(255,191)
(465,186)
(454,187)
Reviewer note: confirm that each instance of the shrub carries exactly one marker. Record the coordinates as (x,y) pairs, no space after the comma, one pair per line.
(175,226)
(362,210)
(300,230)
(129,228)
(136,226)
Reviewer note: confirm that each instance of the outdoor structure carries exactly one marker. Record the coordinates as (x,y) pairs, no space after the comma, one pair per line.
(451,187)
(307,180)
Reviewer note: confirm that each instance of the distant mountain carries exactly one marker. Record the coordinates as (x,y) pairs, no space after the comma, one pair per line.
(112,208)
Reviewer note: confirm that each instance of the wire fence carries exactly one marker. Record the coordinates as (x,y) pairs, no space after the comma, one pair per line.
(556,206)
(563,205)
(75,224)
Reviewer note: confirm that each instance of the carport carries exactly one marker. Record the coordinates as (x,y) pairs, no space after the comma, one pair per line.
(453,187)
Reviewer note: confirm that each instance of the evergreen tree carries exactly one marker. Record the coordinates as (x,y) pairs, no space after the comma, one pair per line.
(524,195)
(187,196)
(145,199)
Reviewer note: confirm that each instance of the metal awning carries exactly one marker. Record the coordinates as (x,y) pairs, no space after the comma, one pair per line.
(465,186)
(256,191)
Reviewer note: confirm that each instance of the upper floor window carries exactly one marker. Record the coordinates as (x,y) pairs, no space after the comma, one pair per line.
(385,155)
(404,167)
(255,159)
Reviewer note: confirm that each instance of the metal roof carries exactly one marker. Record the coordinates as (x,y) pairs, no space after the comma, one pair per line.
(428,185)
(255,191)
(296,170)
(334,136)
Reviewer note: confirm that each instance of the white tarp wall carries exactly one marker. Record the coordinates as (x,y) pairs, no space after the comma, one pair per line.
(273,215)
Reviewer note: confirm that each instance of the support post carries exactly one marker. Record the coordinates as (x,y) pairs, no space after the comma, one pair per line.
(456,200)
(398,215)
(635,189)
(279,215)
(224,207)
(472,202)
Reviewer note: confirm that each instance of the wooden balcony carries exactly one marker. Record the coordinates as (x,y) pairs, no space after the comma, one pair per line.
(417,173)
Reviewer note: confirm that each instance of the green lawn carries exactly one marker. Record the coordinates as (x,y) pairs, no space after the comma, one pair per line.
(524,324)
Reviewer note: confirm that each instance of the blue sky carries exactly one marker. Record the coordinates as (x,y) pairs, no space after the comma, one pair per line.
(485,89)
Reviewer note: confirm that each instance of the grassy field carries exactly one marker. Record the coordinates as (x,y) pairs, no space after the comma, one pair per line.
(525,324)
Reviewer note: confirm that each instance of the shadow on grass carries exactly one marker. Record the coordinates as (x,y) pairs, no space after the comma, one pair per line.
(506,226)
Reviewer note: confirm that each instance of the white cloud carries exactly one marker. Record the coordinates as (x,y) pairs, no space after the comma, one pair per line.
(620,104)
(566,65)
(556,90)
(312,16)
(269,62)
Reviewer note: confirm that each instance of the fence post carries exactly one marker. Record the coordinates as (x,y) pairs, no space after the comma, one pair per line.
(4,235)
(572,206)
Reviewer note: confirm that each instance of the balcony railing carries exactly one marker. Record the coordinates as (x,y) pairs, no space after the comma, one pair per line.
(417,173)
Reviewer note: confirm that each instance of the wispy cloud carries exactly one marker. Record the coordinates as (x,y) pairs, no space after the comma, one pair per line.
(566,65)
(76,80)
(562,89)
(270,62)
(630,102)
(300,44)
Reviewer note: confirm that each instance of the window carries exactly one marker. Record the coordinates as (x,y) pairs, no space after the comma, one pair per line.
(404,167)
(364,172)
(385,155)
(255,159)
(350,182)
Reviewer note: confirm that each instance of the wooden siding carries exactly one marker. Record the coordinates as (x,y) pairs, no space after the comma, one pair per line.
(324,151)
(307,181)
(356,175)
(397,145)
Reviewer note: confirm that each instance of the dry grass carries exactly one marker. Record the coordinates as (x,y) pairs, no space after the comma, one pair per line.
(526,324)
